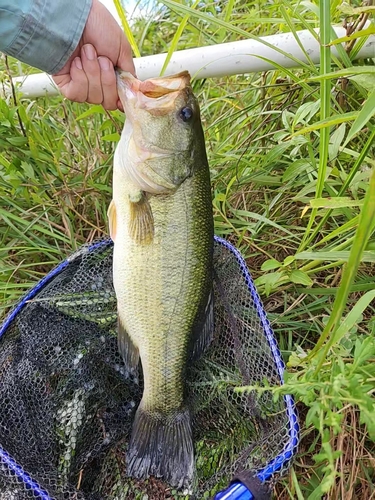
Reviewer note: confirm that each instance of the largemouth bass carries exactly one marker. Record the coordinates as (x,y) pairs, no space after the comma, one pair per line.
(162,226)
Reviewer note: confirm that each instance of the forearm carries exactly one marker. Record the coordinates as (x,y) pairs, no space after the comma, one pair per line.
(42,33)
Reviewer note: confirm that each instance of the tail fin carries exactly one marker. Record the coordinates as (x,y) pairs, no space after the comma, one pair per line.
(162,446)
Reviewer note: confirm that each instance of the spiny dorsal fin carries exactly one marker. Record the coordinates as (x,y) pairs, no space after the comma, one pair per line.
(141,225)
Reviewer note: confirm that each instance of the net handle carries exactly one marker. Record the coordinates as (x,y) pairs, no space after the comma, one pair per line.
(236,491)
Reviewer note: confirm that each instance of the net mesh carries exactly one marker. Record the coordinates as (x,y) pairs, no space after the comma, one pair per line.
(67,402)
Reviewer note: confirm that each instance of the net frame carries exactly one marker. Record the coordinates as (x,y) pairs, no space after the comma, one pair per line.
(270,469)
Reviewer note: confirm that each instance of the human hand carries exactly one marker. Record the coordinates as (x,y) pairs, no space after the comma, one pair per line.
(89,76)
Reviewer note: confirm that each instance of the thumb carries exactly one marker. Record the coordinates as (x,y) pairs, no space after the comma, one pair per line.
(125,58)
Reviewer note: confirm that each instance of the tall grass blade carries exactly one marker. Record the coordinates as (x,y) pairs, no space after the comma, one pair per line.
(292,28)
(354,316)
(127,30)
(231,29)
(176,38)
(365,228)
(229,10)
(325,110)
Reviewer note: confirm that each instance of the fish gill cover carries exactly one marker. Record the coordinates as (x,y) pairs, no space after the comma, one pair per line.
(67,402)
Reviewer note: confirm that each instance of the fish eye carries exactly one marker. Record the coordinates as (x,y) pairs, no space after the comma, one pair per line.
(186,114)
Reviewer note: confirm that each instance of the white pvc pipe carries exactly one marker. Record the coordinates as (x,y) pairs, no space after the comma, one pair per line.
(217,60)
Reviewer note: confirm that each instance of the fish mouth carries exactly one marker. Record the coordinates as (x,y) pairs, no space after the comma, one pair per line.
(153,87)
(155,94)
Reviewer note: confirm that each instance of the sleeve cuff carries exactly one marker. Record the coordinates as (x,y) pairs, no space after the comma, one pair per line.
(49,33)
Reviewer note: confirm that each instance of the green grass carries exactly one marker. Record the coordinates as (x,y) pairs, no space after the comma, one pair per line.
(292,162)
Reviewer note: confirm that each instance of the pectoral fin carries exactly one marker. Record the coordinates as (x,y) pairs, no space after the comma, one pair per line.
(203,330)
(141,225)
(128,350)
(112,219)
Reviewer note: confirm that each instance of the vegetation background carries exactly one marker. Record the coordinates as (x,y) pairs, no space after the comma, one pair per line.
(292,159)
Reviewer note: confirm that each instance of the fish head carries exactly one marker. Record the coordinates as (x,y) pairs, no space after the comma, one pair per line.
(162,131)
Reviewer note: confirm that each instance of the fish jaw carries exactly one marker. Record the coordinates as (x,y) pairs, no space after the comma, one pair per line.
(129,86)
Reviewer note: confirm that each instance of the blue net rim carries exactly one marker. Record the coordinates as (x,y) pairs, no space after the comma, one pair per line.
(264,474)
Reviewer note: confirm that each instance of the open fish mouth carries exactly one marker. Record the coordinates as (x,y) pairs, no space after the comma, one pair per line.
(153,87)
(157,95)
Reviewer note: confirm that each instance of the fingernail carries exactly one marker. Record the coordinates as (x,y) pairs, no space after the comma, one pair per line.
(90,52)
(103,63)
(78,63)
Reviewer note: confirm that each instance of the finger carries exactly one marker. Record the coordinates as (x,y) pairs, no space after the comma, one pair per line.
(108,81)
(73,85)
(92,69)
(125,58)
(120,106)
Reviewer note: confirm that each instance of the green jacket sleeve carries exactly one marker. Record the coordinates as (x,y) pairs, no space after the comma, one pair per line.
(42,33)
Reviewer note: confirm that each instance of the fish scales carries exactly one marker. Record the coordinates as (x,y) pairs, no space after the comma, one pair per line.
(168,273)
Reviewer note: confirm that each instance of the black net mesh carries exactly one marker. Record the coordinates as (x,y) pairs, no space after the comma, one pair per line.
(67,403)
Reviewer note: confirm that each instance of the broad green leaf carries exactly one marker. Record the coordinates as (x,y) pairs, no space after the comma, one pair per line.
(353,316)
(270,264)
(288,260)
(220,197)
(366,113)
(336,140)
(357,34)
(339,202)
(269,281)
(106,124)
(367,81)
(275,153)
(115,137)
(301,278)
(364,350)
(4,161)
(17,141)
(300,166)
(344,73)
(343,255)
(327,122)
(93,110)
(305,112)
(347,9)
(28,169)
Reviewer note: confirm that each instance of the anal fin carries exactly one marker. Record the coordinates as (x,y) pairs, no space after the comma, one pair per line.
(203,329)
(128,350)
(141,225)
